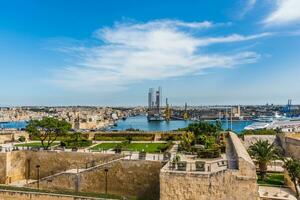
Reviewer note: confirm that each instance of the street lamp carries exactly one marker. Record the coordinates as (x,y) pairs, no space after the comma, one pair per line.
(106,173)
(38,176)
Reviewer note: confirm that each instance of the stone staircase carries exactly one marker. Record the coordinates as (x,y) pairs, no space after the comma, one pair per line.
(69,171)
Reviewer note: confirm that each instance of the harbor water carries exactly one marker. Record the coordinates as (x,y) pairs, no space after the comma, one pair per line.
(140,122)
(13,125)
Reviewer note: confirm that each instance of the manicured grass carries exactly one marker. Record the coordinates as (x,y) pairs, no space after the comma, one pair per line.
(272,179)
(146,147)
(104,146)
(34,144)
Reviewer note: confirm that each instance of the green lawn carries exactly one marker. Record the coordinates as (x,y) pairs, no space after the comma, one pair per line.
(272,179)
(104,146)
(34,144)
(146,147)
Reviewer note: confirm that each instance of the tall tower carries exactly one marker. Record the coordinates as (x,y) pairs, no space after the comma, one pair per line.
(158,99)
(185,114)
(154,104)
(167,111)
(150,98)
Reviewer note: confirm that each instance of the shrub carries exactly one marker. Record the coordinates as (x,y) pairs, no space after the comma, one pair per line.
(260,132)
(21,139)
(165,147)
(209,153)
(123,137)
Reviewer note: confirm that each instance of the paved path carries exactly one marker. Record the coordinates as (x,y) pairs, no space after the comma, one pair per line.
(232,162)
(274,193)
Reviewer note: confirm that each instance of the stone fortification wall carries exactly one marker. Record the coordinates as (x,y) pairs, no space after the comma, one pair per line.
(9,136)
(2,167)
(136,178)
(233,184)
(52,162)
(21,163)
(246,167)
(220,186)
(18,195)
(251,139)
(290,145)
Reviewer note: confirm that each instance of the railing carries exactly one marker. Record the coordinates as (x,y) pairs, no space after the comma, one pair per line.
(201,166)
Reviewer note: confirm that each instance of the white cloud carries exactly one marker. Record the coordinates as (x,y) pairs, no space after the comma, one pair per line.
(248,6)
(134,52)
(286,11)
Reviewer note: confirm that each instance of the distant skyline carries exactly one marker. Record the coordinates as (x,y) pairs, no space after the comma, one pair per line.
(74,52)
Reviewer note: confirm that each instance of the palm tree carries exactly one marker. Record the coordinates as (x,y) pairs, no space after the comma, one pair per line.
(264,153)
(293,168)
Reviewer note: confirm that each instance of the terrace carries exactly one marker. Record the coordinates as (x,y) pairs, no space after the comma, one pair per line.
(199,166)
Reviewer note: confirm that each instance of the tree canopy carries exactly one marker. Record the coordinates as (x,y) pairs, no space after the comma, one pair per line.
(48,130)
(203,128)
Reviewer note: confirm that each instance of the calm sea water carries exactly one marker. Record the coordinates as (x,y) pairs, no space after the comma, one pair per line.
(141,122)
(18,125)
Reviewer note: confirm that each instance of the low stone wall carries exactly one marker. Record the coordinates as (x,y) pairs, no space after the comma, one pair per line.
(252,139)
(290,145)
(52,162)
(136,178)
(219,186)
(19,195)
(9,136)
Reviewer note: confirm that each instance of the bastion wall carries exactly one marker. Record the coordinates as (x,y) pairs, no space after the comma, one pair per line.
(136,178)
(20,165)
(233,184)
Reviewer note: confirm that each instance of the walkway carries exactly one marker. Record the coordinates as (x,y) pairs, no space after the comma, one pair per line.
(232,162)
(274,193)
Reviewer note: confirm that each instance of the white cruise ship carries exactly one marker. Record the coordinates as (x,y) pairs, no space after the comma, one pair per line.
(274,122)
(257,125)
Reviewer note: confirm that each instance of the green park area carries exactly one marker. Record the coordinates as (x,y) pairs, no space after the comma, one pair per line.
(272,179)
(140,147)
(35,144)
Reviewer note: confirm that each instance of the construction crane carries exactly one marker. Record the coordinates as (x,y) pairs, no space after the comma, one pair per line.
(288,108)
(168,112)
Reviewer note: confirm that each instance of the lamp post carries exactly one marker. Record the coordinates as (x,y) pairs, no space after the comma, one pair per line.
(38,176)
(106,173)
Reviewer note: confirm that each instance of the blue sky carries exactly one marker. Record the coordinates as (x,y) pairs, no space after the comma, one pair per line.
(72,52)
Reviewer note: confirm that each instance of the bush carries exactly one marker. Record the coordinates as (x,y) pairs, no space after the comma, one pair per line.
(260,132)
(21,139)
(209,153)
(107,138)
(165,147)
(170,137)
(123,137)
